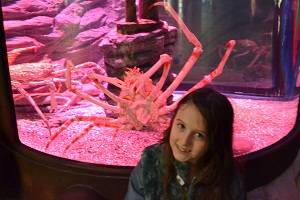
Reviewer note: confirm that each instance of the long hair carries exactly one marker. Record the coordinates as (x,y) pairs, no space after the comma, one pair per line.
(216,167)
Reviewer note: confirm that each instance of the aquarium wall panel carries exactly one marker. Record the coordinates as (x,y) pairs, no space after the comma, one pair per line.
(266,34)
(74,117)
(56,47)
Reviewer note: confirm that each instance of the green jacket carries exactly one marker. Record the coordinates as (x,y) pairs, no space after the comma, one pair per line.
(146,180)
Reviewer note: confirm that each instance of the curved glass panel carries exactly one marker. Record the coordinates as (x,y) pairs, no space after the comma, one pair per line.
(55,49)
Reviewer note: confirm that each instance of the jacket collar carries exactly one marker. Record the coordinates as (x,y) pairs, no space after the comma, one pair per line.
(182,172)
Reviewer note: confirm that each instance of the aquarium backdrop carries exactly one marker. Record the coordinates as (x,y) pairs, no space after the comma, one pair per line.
(45,38)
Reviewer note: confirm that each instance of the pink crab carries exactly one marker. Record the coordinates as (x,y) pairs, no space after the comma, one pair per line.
(141,104)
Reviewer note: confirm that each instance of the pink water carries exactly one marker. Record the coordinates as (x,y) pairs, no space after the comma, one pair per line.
(258,124)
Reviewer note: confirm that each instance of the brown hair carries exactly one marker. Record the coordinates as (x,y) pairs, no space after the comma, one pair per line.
(215,169)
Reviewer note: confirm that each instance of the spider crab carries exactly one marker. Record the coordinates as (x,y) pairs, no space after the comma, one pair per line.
(141,104)
(29,80)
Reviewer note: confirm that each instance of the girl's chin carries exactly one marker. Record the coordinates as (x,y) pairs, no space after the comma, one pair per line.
(181,158)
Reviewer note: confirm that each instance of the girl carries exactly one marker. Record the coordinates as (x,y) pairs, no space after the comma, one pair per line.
(195,158)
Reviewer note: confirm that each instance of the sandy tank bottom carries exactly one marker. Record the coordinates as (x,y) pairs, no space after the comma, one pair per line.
(258,124)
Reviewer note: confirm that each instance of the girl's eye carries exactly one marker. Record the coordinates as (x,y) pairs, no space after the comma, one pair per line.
(180,126)
(200,135)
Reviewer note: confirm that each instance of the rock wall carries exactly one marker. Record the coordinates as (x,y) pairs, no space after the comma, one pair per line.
(60,29)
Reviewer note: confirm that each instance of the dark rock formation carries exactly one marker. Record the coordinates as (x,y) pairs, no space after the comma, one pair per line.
(60,29)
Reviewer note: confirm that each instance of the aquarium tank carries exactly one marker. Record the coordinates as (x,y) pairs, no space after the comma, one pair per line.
(69,62)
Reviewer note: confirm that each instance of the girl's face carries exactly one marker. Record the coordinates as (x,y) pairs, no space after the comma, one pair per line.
(188,137)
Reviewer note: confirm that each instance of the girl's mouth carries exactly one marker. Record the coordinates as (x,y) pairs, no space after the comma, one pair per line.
(183,149)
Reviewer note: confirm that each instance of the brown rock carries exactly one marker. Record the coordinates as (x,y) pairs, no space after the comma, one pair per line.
(93,18)
(36,25)
(24,9)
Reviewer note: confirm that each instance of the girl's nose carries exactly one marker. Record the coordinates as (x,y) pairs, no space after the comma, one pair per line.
(185,139)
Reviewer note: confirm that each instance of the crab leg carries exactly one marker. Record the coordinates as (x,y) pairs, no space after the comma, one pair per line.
(21,96)
(53,102)
(75,68)
(190,36)
(93,77)
(165,61)
(123,103)
(81,134)
(114,81)
(52,89)
(206,80)
(35,106)
(97,121)
(218,71)
(192,59)
(114,97)
(83,95)
(70,101)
